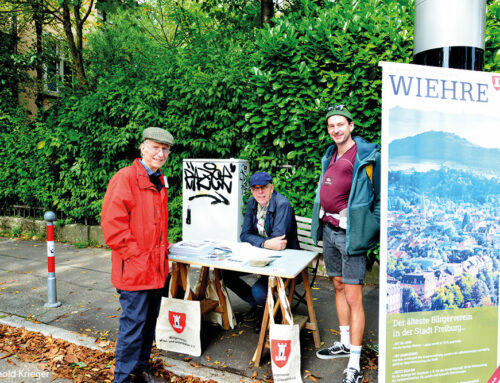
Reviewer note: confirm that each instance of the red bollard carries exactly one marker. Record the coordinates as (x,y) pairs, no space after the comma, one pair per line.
(51,261)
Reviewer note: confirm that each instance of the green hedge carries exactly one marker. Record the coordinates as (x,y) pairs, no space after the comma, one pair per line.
(226,90)
(308,63)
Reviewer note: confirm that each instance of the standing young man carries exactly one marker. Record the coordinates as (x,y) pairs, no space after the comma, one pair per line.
(346,216)
(134,222)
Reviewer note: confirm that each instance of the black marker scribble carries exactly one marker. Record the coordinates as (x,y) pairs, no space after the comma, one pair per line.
(215,201)
(209,178)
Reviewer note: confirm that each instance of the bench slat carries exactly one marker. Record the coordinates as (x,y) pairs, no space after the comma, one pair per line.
(307,240)
(298,218)
(304,235)
(305,246)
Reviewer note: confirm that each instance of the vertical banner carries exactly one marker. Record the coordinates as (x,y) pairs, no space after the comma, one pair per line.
(440,237)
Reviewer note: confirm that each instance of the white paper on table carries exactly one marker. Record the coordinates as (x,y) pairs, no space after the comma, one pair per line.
(244,251)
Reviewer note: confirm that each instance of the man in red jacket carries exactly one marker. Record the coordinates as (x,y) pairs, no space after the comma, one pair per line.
(134,222)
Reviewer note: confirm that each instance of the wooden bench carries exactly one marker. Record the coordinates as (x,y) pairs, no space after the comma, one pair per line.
(306,243)
(304,234)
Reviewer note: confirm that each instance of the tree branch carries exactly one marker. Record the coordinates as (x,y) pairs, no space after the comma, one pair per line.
(88,12)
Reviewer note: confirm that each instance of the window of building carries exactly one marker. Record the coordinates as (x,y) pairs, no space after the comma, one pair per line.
(57,65)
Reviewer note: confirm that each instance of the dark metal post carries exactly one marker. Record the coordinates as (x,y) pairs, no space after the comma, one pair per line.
(450,33)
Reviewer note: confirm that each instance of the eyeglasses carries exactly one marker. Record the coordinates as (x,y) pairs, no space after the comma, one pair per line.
(258,187)
(157,150)
(336,107)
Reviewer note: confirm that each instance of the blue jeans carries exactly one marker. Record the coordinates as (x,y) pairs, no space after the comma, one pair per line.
(255,295)
(136,333)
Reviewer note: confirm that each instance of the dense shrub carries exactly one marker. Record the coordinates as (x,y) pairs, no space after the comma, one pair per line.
(313,58)
(222,86)
(197,92)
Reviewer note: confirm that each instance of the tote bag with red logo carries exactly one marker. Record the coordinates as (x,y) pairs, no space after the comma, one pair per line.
(178,325)
(284,340)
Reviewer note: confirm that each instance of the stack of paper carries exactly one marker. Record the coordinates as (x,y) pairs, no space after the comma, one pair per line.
(192,247)
(245,251)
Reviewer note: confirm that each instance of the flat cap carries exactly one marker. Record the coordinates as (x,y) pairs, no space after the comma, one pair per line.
(260,178)
(159,135)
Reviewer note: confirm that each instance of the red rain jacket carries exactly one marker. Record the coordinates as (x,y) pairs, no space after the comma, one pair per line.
(134,221)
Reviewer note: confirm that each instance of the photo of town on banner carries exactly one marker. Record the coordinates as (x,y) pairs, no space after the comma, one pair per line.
(442,185)
(239,252)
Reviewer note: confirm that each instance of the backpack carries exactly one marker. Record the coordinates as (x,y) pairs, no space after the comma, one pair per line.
(373,255)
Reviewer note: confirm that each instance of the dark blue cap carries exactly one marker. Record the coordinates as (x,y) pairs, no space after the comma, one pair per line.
(260,178)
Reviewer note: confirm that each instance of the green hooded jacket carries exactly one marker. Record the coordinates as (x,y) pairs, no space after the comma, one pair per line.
(363,208)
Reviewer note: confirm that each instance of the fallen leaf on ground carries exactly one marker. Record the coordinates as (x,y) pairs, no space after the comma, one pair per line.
(11,362)
(69,361)
(6,282)
(312,376)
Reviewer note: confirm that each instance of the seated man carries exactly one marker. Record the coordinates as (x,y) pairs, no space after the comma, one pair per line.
(269,223)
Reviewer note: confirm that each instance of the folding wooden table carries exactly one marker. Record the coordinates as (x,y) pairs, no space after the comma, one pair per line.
(286,264)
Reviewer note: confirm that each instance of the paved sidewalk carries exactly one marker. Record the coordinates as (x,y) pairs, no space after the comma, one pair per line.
(90,306)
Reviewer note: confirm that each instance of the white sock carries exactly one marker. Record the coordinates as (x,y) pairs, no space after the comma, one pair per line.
(354,357)
(345,336)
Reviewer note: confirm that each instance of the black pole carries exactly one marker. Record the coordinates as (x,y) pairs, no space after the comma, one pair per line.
(450,33)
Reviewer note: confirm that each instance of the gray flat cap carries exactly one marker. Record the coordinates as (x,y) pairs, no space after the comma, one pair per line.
(159,135)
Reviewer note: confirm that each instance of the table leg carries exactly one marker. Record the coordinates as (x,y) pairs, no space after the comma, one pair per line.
(281,305)
(313,323)
(183,271)
(174,284)
(204,282)
(262,337)
(291,290)
(222,300)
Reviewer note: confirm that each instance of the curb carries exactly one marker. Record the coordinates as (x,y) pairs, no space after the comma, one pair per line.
(177,367)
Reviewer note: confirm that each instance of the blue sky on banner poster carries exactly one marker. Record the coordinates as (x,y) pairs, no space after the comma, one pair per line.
(485,127)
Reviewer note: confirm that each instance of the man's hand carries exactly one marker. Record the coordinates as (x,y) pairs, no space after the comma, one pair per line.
(276,243)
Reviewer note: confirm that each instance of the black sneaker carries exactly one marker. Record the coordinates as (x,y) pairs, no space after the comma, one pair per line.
(352,376)
(338,350)
(252,315)
(140,377)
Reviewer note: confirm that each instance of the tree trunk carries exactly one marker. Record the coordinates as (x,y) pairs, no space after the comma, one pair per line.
(38,19)
(266,12)
(76,54)
(14,86)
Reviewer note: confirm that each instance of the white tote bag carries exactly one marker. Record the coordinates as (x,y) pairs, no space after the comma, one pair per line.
(211,293)
(178,325)
(284,341)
